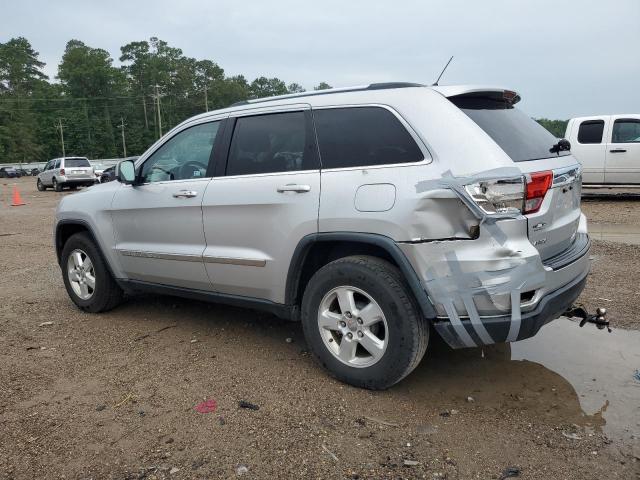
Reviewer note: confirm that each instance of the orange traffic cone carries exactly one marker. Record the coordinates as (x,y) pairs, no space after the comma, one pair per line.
(16,201)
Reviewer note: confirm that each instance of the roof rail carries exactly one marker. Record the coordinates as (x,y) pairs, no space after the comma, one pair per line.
(360,88)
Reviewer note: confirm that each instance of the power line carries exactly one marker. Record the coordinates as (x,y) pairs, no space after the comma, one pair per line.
(69,99)
(122,102)
(74,107)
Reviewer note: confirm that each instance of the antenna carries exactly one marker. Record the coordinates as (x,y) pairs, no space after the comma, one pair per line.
(442,72)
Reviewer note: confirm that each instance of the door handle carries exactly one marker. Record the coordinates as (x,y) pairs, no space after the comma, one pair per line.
(618,150)
(293,187)
(185,194)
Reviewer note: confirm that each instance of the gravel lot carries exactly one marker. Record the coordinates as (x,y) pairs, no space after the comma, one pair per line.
(113,395)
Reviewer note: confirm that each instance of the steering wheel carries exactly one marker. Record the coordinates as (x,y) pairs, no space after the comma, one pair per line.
(187,170)
(155,167)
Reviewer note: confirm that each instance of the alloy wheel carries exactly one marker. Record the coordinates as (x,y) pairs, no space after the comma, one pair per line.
(81,274)
(353,326)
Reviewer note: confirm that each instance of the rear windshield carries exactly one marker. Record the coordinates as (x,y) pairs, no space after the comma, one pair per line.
(76,162)
(520,136)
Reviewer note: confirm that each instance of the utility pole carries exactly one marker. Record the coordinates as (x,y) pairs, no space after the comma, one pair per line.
(206,100)
(157,97)
(124,145)
(59,126)
(86,116)
(144,108)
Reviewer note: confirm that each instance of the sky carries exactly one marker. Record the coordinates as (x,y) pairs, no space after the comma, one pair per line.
(566,57)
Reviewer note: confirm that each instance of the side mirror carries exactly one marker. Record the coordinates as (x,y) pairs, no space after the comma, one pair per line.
(126,172)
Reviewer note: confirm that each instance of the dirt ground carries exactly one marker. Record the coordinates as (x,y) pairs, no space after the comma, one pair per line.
(113,395)
(614,281)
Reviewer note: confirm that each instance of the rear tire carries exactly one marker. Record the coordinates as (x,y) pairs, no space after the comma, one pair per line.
(105,294)
(56,186)
(40,186)
(398,338)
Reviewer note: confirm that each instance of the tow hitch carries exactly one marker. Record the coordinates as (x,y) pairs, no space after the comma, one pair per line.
(598,319)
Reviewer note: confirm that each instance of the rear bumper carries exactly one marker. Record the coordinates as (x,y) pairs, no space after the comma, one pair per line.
(77,181)
(549,308)
(497,288)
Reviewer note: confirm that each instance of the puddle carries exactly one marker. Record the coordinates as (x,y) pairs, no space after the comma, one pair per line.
(598,365)
(563,375)
(612,232)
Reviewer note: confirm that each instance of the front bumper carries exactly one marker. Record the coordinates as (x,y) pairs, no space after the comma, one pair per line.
(497,288)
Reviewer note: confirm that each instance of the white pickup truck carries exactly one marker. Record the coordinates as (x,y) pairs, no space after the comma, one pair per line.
(608,146)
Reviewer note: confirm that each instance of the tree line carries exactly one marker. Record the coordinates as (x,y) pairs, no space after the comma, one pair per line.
(556,127)
(155,88)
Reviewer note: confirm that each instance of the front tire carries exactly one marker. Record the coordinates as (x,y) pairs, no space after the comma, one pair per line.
(362,323)
(56,186)
(40,186)
(86,276)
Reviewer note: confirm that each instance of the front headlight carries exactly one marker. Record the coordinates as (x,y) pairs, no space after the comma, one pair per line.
(505,195)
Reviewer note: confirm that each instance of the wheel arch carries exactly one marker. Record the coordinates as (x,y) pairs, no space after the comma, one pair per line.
(68,227)
(316,250)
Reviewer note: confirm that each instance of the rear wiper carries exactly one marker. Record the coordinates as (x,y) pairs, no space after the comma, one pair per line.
(563,145)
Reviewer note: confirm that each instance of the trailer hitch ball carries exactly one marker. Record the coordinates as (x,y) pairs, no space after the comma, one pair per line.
(601,323)
(598,319)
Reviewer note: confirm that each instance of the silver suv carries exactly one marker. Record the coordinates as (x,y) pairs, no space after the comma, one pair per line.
(376,215)
(69,172)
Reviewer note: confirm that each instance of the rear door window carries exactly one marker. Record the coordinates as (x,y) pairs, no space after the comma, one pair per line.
(57,164)
(363,136)
(520,136)
(270,143)
(591,131)
(626,130)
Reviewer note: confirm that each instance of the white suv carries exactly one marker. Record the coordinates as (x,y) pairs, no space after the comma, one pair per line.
(375,215)
(69,172)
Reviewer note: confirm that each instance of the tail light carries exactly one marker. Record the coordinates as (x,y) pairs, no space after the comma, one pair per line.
(537,186)
(512,195)
(62,171)
(505,195)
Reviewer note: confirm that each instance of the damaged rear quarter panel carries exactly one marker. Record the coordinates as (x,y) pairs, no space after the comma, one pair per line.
(455,271)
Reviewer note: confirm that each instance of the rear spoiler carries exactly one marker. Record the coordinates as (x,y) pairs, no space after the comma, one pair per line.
(494,93)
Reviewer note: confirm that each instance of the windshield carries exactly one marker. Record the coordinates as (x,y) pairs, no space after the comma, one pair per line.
(76,162)
(520,136)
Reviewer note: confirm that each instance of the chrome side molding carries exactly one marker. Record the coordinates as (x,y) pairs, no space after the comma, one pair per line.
(247,262)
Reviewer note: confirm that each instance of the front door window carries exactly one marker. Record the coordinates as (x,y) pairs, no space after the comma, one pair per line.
(184,157)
